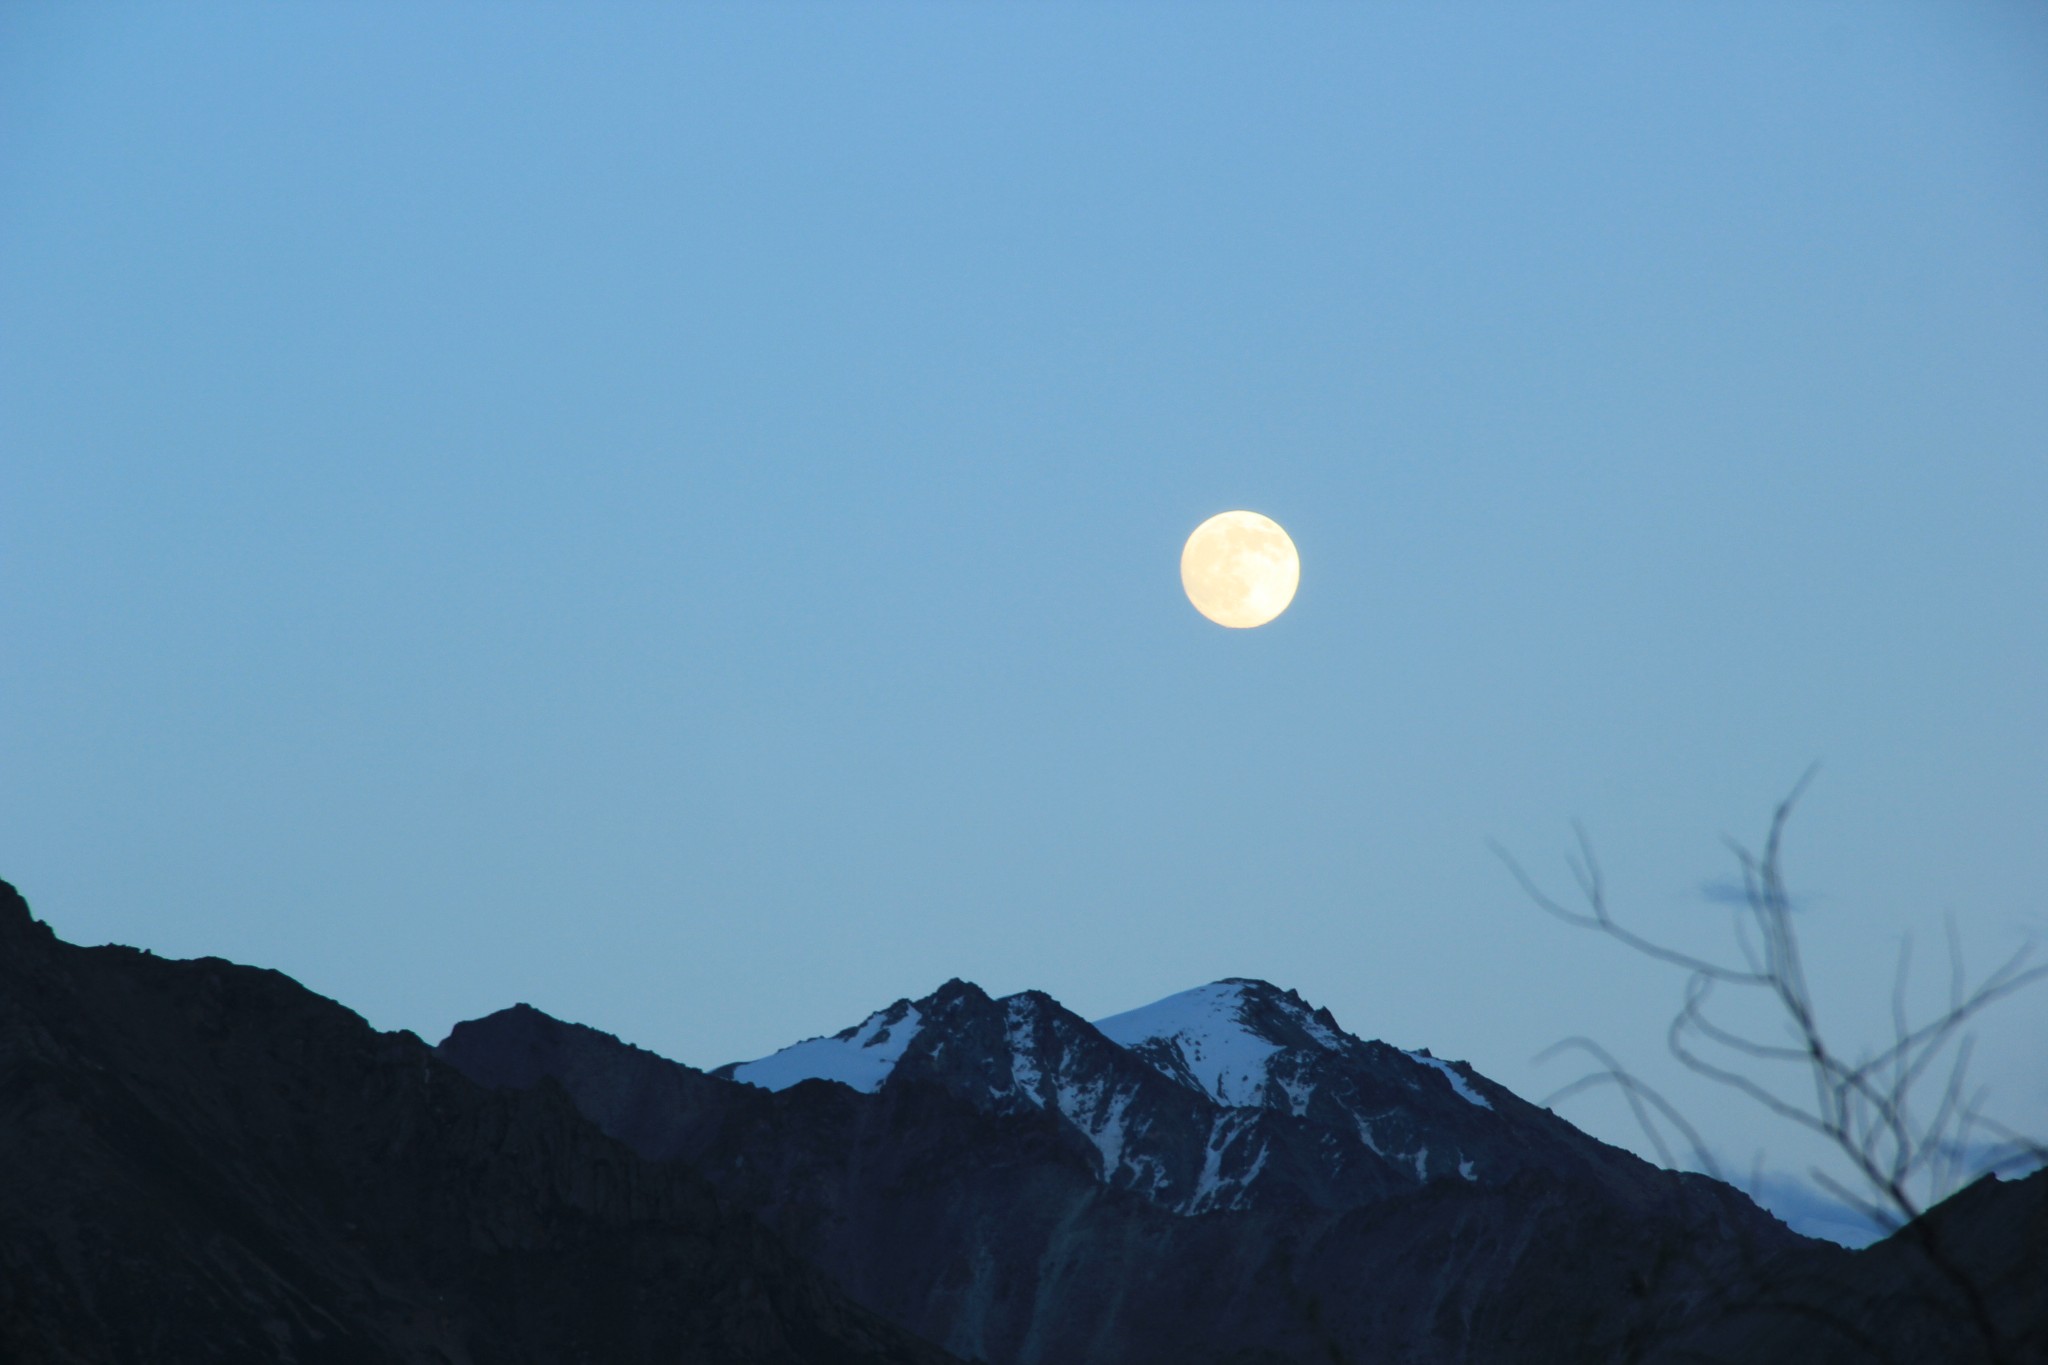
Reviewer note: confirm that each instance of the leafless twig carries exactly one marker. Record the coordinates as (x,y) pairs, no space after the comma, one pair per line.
(1902,1117)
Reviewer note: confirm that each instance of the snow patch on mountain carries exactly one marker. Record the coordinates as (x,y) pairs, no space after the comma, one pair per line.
(1330,1038)
(862,1056)
(1458,1083)
(1019,1012)
(1221,1130)
(1214,1189)
(1203,1030)
(1365,1135)
(1108,1133)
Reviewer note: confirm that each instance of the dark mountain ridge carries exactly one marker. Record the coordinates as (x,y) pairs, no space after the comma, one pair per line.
(206,1162)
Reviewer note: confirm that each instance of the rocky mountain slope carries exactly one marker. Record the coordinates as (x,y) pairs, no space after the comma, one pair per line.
(1225,1176)
(206,1162)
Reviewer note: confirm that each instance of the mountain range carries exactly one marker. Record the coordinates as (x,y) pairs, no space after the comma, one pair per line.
(1212,1177)
(203,1161)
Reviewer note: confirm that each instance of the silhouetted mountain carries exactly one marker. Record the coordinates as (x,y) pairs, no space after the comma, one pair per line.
(1966,1283)
(206,1162)
(1224,1176)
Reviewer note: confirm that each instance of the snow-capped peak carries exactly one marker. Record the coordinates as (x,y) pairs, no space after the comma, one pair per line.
(1188,1100)
(1221,1038)
(861,1056)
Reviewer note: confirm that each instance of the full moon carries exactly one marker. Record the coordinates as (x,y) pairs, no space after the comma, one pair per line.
(1240,569)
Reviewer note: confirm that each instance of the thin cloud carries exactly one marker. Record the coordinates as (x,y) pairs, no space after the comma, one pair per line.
(1727,891)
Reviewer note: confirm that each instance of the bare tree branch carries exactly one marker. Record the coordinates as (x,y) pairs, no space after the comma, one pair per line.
(1868,1111)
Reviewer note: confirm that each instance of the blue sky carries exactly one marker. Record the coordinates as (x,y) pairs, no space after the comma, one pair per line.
(672,513)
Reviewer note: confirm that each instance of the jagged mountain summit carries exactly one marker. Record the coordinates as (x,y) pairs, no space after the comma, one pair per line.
(1223,1176)
(1216,1097)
